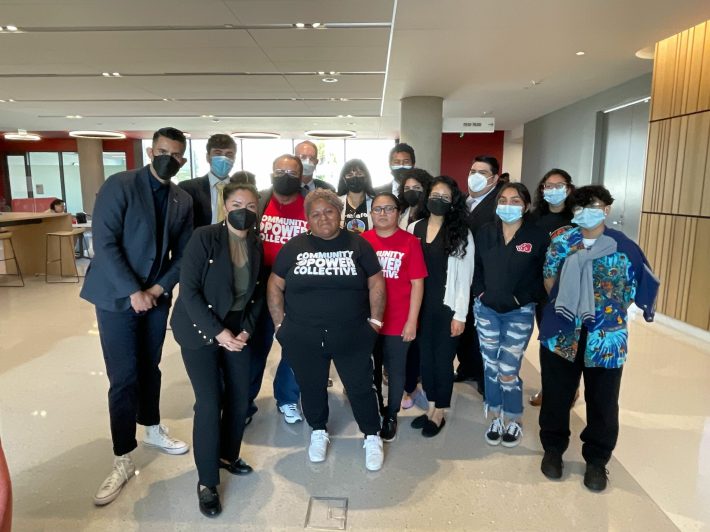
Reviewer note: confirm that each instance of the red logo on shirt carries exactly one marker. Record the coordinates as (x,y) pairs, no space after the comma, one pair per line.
(524,248)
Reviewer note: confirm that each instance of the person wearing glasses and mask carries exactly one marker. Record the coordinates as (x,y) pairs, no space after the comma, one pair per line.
(401,159)
(507,285)
(449,256)
(206,191)
(307,151)
(355,191)
(221,297)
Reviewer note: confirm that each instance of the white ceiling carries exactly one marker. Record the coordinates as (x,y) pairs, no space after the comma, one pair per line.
(225,58)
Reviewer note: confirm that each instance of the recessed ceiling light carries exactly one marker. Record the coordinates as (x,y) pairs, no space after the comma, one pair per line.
(330,134)
(329,80)
(321,73)
(116,75)
(10,100)
(334,73)
(579,53)
(106,74)
(2,101)
(22,135)
(255,135)
(299,25)
(89,134)
(74,117)
(316,25)
(207,116)
(11,28)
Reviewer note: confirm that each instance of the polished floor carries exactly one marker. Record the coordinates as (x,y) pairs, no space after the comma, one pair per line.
(54,428)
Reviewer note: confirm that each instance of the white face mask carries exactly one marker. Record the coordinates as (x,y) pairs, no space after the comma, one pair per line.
(477,182)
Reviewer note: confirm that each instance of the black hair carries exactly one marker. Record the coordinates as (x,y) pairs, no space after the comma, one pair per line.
(348,167)
(422,177)
(403,147)
(490,161)
(504,177)
(455,227)
(390,196)
(292,158)
(243,176)
(172,134)
(221,141)
(540,206)
(584,196)
(55,203)
(231,187)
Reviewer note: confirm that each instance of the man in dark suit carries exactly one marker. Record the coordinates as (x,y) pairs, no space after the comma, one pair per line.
(206,191)
(401,159)
(308,153)
(141,224)
(483,187)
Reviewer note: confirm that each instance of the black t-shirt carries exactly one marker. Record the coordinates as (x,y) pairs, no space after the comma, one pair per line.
(356,218)
(552,221)
(326,280)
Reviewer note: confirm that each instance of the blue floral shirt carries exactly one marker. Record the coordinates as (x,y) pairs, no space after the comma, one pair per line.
(614,291)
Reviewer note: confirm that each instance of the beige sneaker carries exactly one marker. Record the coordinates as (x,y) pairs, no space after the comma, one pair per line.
(123,470)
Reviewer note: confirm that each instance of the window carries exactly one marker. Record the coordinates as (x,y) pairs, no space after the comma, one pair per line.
(72,182)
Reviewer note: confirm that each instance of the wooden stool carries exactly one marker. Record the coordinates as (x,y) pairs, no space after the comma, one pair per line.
(60,235)
(6,237)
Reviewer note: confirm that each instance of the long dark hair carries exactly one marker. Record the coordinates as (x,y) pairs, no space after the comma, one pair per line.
(348,167)
(540,206)
(455,227)
(422,177)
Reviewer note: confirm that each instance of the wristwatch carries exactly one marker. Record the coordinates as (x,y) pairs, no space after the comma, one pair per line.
(375,322)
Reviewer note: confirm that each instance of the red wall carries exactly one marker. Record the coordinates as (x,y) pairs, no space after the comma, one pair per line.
(457,153)
(16,147)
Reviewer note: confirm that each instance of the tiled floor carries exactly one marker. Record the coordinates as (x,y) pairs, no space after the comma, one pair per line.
(54,426)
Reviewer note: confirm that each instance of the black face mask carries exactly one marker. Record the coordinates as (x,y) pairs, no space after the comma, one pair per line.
(438,206)
(241,219)
(166,166)
(412,197)
(355,184)
(285,185)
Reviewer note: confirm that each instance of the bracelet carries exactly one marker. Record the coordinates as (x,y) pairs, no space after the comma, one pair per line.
(375,322)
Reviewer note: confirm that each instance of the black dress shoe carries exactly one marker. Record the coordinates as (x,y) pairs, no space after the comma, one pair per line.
(389,429)
(551,465)
(209,501)
(595,477)
(419,421)
(431,429)
(238,467)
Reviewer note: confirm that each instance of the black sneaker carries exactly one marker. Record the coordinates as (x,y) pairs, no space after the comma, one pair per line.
(596,477)
(389,429)
(551,465)
(495,432)
(512,435)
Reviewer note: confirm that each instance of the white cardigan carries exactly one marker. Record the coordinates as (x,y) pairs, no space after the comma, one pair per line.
(459,276)
(368,208)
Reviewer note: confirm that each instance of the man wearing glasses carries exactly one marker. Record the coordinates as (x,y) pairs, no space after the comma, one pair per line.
(308,153)
(282,217)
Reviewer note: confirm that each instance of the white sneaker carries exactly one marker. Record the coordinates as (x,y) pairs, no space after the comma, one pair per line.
(512,435)
(374,452)
(123,470)
(318,446)
(291,413)
(157,436)
(495,432)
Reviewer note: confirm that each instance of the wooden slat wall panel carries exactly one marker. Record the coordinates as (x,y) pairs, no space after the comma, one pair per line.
(698,313)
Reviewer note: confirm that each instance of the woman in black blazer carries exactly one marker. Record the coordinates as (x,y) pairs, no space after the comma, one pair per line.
(221,295)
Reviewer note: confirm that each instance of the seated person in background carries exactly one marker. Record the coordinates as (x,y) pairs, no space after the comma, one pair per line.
(243,177)
(4,207)
(57,206)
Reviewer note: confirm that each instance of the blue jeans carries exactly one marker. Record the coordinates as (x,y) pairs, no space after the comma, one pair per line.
(503,337)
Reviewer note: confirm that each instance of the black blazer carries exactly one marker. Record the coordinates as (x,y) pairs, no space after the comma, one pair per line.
(485,212)
(124,231)
(207,287)
(199,189)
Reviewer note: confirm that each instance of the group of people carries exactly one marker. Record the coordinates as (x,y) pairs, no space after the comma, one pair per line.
(387,284)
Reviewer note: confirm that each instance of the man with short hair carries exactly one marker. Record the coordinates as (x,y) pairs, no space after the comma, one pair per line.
(282,217)
(483,187)
(401,159)
(307,151)
(206,191)
(141,224)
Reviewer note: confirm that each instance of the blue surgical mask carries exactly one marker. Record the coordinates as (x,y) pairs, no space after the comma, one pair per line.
(589,218)
(555,196)
(509,213)
(221,165)
(308,168)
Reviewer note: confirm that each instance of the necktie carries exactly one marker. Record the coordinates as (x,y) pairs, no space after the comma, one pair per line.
(220,202)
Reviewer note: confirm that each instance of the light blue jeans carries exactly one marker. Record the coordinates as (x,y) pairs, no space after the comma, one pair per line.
(504,338)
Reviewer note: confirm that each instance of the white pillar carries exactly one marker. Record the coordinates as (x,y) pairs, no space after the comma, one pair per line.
(91,170)
(420,127)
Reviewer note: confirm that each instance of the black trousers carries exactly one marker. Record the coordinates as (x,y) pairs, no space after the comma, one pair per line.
(309,351)
(468,351)
(560,380)
(132,346)
(413,370)
(437,349)
(391,352)
(220,380)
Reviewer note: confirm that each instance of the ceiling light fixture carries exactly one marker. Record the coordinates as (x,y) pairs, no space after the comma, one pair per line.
(329,80)
(111,74)
(22,135)
(640,100)
(579,53)
(255,135)
(91,134)
(330,134)
(316,25)
(74,117)
(11,28)
(299,25)
(207,116)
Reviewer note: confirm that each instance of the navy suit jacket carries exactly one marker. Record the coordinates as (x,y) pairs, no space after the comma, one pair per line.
(124,233)
(199,189)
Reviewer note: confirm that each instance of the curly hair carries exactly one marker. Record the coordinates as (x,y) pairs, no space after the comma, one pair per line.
(422,177)
(540,206)
(586,195)
(348,167)
(455,227)
(322,194)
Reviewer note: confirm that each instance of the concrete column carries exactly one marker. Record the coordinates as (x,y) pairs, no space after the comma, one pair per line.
(91,170)
(420,127)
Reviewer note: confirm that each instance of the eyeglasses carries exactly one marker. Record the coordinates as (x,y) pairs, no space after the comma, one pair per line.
(388,209)
(289,173)
(595,205)
(554,186)
(445,199)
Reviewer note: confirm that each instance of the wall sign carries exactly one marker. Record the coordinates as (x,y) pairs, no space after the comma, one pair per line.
(485,124)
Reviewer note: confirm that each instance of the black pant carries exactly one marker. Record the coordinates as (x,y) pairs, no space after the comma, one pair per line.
(560,380)
(391,351)
(437,349)
(309,351)
(468,351)
(220,379)
(413,370)
(132,345)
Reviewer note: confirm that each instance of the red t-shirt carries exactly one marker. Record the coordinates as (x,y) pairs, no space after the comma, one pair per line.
(279,224)
(402,260)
